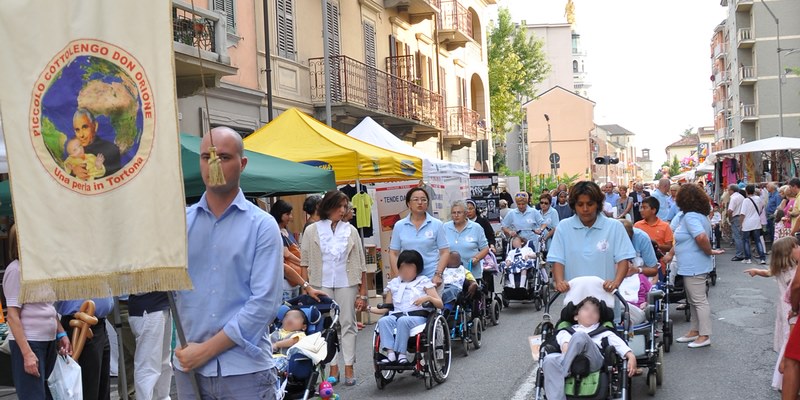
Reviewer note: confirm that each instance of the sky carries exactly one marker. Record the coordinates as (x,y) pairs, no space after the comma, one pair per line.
(649,62)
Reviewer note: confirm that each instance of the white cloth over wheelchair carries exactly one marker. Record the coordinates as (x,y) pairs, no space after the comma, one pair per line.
(585,286)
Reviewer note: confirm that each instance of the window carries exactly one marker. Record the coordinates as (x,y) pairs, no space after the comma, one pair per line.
(369,44)
(229,7)
(575,66)
(332,22)
(285,20)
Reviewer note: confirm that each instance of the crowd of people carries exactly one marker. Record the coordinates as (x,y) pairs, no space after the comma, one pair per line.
(624,237)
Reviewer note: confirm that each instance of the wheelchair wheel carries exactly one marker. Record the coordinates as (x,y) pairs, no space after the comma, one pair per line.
(462,331)
(713,277)
(475,333)
(382,377)
(668,337)
(438,354)
(494,312)
(687,314)
(651,384)
(660,367)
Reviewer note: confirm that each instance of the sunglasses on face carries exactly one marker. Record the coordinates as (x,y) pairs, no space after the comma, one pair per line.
(544,202)
(521,196)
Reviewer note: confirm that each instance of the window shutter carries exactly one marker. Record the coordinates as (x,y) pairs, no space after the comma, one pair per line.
(370,59)
(333,28)
(228,7)
(285,27)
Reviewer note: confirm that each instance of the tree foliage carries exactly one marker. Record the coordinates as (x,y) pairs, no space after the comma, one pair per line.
(516,63)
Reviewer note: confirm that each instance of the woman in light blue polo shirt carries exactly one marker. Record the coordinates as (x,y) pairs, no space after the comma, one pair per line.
(589,243)
(693,251)
(421,232)
(467,238)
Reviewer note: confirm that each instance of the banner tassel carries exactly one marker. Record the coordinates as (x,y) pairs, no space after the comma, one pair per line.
(215,175)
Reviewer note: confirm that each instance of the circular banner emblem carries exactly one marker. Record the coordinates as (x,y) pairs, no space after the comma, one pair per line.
(92,117)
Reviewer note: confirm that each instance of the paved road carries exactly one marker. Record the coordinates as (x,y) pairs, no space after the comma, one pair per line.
(737,366)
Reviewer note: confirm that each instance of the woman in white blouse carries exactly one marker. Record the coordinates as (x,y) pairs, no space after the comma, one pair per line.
(332,259)
(407,292)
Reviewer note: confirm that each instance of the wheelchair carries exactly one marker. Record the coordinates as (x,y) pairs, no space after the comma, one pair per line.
(429,343)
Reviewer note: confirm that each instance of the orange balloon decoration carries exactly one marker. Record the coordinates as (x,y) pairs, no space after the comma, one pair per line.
(82,327)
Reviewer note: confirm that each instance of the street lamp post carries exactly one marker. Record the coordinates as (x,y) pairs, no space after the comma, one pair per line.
(780,67)
(553,167)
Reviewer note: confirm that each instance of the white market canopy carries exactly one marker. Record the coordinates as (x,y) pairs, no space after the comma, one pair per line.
(774,143)
(373,133)
(3,156)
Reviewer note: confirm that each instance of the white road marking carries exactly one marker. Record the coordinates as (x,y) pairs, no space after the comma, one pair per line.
(527,388)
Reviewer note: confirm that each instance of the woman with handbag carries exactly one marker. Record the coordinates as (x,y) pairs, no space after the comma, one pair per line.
(333,259)
(35,335)
(292,273)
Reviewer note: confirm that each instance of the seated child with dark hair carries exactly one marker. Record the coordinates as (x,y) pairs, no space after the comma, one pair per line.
(556,366)
(454,277)
(293,328)
(407,292)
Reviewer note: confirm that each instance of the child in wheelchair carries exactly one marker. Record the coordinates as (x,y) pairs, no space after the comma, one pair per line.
(407,293)
(582,340)
(454,278)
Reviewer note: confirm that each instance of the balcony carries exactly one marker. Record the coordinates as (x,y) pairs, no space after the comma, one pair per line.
(749,112)
(462,126)
(455,25)
(202,29)
(743,5)
(721,133)
(721,78)
(359,90)
(745,37)
(403,67)
(747,75)
(720,50)
(415,7)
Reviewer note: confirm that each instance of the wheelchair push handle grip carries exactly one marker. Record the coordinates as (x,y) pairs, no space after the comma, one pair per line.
(385,306)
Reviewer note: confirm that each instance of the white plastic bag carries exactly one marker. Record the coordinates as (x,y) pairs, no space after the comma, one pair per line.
(65,380)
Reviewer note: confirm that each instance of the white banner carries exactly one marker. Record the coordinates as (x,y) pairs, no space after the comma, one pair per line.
(390,200)
(89,115)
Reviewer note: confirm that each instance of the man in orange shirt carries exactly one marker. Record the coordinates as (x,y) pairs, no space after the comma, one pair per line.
(658,230)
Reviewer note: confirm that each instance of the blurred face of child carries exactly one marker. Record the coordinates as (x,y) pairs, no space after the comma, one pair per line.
(293,321)
(796,253)
(454,261)
(75,149)
(407,271)
(517,242)
(588,314)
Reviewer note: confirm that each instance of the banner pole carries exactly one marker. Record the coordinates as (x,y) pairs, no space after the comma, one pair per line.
(182,339)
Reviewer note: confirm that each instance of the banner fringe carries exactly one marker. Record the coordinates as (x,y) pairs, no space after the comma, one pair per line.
(156,279)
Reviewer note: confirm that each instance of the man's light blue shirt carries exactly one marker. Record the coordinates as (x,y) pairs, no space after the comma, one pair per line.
(468,243)
(427,240)
(664,203)
(236,267)
(643,247)
(773,202)
(691,259)
(673,210)
(524,223)
(612,198)
(591,251)
(103,307)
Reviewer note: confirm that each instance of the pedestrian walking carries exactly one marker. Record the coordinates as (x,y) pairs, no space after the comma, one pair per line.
(421,232)
(605,245)
(292,272)
(466,238)
(658,230)
(151,324)
(35,334)
(236,264)
(334,260)
(550,219)
(474,215)
(773,201)
(751,225)
(735,217)
(782,267)
(693,253)
(638,195)
(524,221)
(95,359)
(561,205)
(624,204)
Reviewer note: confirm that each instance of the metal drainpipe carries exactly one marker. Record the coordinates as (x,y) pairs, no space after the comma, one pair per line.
(443,107)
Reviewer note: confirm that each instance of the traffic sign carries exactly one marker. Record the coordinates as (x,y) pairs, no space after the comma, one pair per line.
(554,157)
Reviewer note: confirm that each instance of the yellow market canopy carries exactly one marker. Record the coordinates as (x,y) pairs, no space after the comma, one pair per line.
(298,137)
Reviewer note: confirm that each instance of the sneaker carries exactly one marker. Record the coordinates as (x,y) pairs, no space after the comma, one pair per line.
(402,359)
(737,259)
(747,261)
(763,262)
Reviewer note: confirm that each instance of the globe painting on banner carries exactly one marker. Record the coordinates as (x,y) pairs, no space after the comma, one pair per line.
(90,120)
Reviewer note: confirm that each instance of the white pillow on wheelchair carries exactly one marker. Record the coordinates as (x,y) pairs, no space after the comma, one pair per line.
(585,286)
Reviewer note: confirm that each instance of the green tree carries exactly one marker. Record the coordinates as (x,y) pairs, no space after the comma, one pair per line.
(516,63)
(674,168)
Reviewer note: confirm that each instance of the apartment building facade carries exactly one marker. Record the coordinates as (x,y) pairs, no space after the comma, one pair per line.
(418,67)
(762,97)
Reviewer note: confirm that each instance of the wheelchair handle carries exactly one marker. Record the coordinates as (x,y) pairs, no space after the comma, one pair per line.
(385,306)
(551,302)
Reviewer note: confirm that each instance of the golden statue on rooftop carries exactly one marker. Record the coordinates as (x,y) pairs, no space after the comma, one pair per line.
(569,12)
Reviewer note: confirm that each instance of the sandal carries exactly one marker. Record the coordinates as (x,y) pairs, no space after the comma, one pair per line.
(351,381)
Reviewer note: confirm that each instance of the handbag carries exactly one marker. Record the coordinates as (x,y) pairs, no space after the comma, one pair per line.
(65,380)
